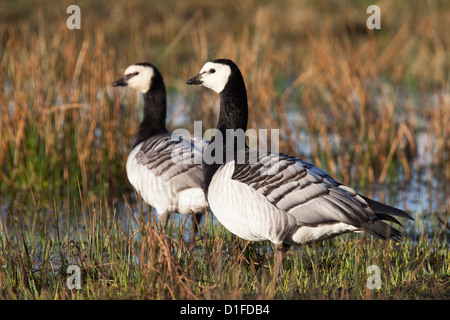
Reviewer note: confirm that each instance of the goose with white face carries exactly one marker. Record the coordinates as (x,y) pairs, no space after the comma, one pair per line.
(163,167)
(213,75)
(138,77)
(298,205)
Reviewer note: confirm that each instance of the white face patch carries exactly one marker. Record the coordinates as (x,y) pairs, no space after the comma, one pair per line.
(142,78)
(215,76)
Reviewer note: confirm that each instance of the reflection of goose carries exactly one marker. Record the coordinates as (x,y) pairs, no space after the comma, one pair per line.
(167,183)
(278,197)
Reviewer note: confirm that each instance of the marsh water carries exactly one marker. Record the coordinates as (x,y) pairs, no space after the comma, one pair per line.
(425,194)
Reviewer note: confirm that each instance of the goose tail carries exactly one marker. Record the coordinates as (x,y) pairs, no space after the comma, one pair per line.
(383,212)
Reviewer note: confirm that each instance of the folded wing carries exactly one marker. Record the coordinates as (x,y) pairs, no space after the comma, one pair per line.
(175,160)
(312,196)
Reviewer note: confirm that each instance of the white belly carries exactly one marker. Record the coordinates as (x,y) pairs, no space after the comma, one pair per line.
(161,193)
(245,212)
(309,234)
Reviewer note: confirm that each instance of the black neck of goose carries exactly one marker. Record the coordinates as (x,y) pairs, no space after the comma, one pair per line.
(233,115)
(233,108)
(154,121)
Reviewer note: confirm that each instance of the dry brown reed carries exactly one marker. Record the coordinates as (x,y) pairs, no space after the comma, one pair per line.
(325,67)
(362,98)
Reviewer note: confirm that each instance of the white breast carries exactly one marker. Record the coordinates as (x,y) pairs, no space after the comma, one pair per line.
(161,192)
(245,212)
(154,191)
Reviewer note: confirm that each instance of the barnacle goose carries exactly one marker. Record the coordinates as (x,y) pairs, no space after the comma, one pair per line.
(164,169)
(275,196)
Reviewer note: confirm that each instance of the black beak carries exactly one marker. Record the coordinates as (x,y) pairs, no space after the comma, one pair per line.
(195,80)
(121,82)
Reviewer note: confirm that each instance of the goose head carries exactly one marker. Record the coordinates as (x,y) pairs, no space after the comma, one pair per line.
(138,76)
(214,75)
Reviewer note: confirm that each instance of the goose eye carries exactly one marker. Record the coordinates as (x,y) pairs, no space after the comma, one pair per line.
(212,70)
(130,75)
(133,74)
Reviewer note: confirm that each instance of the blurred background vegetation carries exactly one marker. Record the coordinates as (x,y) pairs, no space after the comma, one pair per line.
(369,106)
